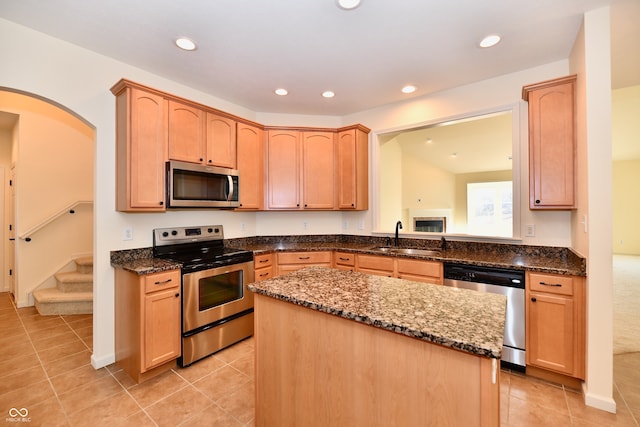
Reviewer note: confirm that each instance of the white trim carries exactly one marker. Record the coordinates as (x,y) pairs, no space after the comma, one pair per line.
(103,361)
(597,401)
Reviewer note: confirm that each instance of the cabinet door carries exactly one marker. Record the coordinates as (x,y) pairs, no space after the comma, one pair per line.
(375,264)
(420,271)
(318,170)
(283,169)
(250,149)
(221,141)
(551,332)
(186,139)
(161,329)
(141,159)
(552,146)
(352,170)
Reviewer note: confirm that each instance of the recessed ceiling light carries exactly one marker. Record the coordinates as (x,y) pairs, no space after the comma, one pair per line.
(348,4)
(328,94)
(490,40)
(186,44)
(281,92)
(408,89)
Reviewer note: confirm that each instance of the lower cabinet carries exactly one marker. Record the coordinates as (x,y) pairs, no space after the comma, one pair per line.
(292,261)
(147,322)
(344,261)
(376,264)
(420,271)
(555,323)
(263,265)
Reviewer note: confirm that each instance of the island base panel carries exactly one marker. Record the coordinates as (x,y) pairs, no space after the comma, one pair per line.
(318,369)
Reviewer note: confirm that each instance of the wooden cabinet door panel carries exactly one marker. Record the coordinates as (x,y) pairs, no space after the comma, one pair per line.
(352,169)
(186,139)
(221,141)
(552,144)
(283,169)
(147,150)
(551,332)
(318,170)
(250,161)
(161,329)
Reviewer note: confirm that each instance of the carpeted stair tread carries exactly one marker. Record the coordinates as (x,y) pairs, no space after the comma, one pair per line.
(74,277)
(55,294)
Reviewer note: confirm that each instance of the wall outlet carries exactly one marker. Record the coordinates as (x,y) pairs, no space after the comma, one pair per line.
(361,225)
(305,225)
(243,226)
(531,230)
(127,233)
(345,225)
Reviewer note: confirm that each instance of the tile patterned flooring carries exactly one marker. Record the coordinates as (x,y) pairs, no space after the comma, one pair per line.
(46,370)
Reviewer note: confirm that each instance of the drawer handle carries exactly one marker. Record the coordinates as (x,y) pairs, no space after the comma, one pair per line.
(163,282)
(344,259)
(264,274)
(304,257)
(557,285)
(263,260)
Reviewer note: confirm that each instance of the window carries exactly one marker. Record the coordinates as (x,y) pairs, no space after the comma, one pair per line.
(490,208)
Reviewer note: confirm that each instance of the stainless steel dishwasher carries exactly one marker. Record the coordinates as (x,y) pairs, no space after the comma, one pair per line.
(498,281)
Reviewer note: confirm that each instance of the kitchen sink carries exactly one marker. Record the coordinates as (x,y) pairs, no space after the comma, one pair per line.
(408,251)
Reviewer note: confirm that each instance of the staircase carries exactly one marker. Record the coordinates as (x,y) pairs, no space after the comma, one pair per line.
(73,293)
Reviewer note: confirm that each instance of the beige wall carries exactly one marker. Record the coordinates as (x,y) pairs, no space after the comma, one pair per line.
(54,164)
(626,206)
(625,109)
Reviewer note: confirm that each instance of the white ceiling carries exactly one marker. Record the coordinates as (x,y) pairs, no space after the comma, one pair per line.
(248,48)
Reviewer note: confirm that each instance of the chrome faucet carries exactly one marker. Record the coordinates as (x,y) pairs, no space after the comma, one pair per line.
(398,226)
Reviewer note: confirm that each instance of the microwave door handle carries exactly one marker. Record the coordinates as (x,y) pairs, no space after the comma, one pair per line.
(231,189)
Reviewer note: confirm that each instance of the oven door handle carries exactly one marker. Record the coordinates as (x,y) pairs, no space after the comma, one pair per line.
(231,189)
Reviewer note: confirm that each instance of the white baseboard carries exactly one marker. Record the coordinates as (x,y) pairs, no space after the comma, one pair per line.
(599,402)
(101,362)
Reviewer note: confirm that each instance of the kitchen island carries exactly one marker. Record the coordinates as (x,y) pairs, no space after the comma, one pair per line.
(344,348)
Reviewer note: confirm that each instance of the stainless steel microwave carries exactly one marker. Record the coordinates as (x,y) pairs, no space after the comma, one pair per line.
(197,186)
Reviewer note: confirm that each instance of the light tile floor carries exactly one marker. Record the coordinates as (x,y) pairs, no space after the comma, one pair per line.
(46,370)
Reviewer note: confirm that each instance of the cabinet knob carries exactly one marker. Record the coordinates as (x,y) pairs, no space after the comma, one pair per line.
(353,205)
(537,202)
(177,295)
(533,299)
(161,203)
(201,159)
(210,161)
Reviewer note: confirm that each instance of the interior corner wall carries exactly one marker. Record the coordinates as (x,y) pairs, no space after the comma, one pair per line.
(591,222)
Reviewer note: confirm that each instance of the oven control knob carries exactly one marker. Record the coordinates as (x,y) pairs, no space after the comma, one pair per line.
(217,230)
(174,233)
(165,234)
(209,230)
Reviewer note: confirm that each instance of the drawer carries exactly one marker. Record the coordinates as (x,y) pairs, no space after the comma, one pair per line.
(374,262)
(344,258)
(551,283)
(161,281)
(419,268)
(264,260)
(304,257)
(264,273)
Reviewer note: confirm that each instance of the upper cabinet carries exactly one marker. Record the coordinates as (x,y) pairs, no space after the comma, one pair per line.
(283,169)
(250,153)
(279,168)
(352,166)
(141,149)
(221,141)
(318,166)
(186,133)
(552,143)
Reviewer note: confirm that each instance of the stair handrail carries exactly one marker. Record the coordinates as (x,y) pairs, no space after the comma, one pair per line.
(68,209)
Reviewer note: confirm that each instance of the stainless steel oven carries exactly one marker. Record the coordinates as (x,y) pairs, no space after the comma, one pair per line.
(217,307)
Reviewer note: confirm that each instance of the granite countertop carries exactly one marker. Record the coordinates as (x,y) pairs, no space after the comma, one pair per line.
(457,318)
(521,257)
(548,261)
